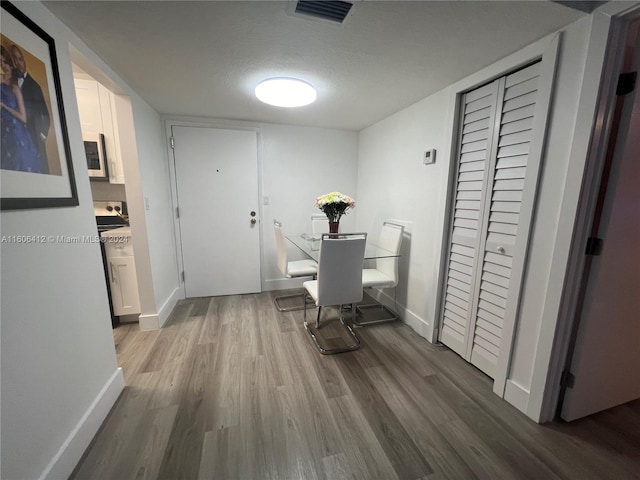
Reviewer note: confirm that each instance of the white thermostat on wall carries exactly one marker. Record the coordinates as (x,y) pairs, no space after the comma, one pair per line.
(429,157)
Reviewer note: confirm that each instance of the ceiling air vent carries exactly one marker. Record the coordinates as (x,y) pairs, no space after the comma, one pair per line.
(332,10)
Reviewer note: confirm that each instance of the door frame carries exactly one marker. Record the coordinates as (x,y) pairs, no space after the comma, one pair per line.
(171,122)
(546,51)
(590,142)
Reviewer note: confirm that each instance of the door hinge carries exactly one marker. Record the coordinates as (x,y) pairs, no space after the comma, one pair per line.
(177,212)
(594,246)
(626,83)
(567,380)
(182,276)
(172,142)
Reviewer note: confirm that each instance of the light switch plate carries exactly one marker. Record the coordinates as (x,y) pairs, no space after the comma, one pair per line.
(429,157)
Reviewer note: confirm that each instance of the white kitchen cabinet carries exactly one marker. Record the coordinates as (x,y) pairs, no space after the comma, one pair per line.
(89,106)
(97,115)
(121,266)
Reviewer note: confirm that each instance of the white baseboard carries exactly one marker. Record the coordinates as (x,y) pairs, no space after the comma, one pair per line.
(283,283)
(149,322)
(157,320)
(71,451)
(168,305)
(418,324)
(516,395)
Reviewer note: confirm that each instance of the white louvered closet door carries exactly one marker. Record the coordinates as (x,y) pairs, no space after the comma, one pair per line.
(474,313)
(473,169)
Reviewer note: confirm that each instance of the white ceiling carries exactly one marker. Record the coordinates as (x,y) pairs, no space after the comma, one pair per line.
(205,58)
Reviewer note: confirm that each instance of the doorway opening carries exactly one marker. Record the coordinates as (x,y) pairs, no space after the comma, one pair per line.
(603,361)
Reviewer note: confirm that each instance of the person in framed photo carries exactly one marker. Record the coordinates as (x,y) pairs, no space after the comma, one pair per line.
(18,151)
(38,120)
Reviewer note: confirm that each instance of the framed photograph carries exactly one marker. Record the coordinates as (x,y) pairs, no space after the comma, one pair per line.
(36,170)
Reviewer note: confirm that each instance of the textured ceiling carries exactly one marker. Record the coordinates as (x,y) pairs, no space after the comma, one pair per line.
(205,58)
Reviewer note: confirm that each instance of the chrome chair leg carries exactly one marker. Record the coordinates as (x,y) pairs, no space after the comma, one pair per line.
(331,351)
(292,309)
(280,308)
(305,305)
(390,315)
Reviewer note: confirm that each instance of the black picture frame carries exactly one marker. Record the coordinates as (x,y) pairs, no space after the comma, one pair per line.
(51,183)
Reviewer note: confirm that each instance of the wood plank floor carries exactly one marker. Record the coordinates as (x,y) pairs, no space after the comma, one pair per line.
(232,389)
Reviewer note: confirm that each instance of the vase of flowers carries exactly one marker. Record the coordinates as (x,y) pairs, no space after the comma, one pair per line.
(334,205)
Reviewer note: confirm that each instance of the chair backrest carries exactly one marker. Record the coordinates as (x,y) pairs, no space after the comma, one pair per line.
(340,269)
(281,247)
(319,223)
(390,239)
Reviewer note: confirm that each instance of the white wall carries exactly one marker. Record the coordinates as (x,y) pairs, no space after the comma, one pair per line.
(393,183)
(296,165)
(389,161)
(143,148)
(59,370)
(156,195)
(586,157)
(150,211)
(105,191)
(58,356)
(299,164)
(551,190)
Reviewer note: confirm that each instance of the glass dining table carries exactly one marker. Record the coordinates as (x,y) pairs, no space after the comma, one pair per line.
(370,313)
(310,245)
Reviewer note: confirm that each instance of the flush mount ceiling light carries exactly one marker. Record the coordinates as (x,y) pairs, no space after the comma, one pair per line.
(285,92)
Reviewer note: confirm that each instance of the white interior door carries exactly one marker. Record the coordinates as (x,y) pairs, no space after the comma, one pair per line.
(217,190)
(606,358)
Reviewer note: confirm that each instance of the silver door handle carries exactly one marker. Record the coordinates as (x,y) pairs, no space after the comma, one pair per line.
(501,250)
(253,221)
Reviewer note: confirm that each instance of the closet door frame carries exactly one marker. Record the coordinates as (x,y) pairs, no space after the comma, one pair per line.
(545,51)
(529,192)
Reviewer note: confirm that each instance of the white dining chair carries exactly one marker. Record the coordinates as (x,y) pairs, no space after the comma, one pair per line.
(319,223)
(383,275)
(339,282)
(294,269)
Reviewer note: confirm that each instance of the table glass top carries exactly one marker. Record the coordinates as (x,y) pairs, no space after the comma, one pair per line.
(310,244)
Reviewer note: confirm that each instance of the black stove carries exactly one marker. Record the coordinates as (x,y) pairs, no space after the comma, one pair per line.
(105,223)
(110,215)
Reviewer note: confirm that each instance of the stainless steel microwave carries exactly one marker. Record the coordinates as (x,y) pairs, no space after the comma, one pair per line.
(94,150)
